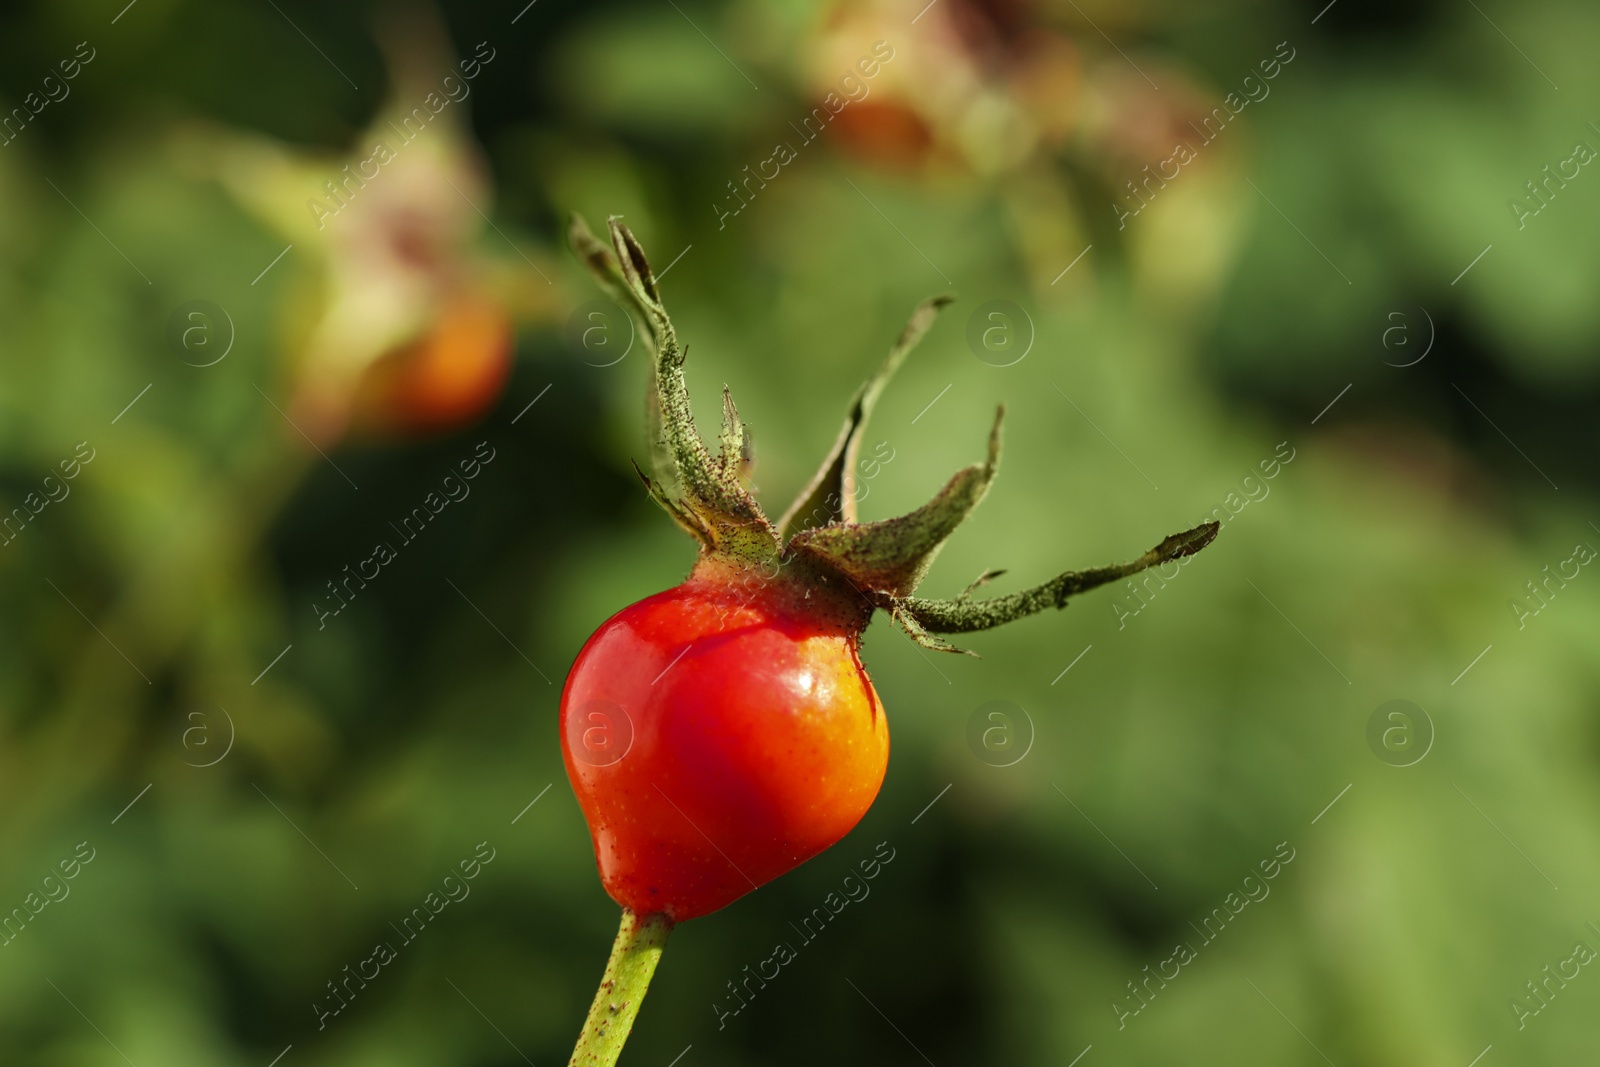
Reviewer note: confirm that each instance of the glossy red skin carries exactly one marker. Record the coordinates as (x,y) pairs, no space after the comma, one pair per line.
(757,742)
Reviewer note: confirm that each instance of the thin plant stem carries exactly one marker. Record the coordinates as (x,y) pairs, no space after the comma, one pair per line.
(634,956)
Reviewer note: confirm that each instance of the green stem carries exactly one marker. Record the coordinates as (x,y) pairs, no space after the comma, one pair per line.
(634,956)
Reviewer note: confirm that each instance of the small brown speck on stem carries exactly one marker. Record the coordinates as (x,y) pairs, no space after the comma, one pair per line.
(634,956)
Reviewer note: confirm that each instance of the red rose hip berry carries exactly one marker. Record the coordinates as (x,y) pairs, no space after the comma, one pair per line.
(722,732)
(718,735)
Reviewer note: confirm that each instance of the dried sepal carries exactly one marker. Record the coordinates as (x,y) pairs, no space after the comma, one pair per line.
(607,271)
(635,266)
(598,258)
(882,562)
(831,494)
(964,615)
(738,445)
(891,557)
(683,517)
(979,582)
(920,636)
(707,495)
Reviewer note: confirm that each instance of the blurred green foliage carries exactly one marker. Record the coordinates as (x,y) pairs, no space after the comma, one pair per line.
(169,590)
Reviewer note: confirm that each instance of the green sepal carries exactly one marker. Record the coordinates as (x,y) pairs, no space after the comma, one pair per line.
(707,495)
(607,270)
(979,582)
(882,562)
(920,636)
(621,276)
(831,495)
(963,615)
(738,446)
(891,557)
(682,516)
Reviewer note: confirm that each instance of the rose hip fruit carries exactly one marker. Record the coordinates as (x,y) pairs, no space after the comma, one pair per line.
(716,738)
(723,732)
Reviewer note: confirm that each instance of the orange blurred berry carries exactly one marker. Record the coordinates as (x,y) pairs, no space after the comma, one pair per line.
(448,376)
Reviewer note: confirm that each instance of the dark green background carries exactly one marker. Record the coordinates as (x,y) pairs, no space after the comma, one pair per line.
(1216,724)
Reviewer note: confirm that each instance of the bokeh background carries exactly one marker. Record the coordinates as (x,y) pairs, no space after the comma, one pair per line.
(263,387)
